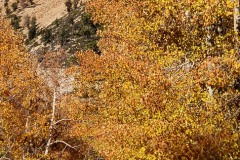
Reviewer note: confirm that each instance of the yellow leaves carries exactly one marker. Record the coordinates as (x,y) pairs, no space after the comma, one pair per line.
(235,137)
(23,97)
(167,73)
(141,152)
(229,13)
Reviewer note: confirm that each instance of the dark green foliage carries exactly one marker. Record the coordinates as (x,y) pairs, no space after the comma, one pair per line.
(87,28)
(15,21)
(56,22)
(8,11)
(14,6)
(71,61)
(68,4)
(47,36)
(33,21)
(70,20)
(86,31)
(93,45)
(86,19)
(64,35)
(32,32)
(73,32)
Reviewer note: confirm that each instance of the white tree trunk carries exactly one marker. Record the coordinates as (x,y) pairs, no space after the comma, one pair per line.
(236,14)
(236,17)
(51,122)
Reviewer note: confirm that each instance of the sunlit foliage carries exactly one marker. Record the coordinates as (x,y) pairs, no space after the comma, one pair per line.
(24,100)
(167,83)
(34,120)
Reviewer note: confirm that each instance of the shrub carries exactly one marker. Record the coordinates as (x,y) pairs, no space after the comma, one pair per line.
(68,4)
(8,11)
(32,32)
(15,22)
(47,36)
(14,6)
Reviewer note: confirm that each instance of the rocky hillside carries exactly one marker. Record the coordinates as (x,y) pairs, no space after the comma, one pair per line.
(52,25)
(51,28)
(44,11)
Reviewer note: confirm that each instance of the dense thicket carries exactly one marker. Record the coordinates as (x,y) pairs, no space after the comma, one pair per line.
(24,100)
(35,121)
(165,86)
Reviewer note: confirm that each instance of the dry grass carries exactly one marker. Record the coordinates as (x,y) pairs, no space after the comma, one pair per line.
(46,11)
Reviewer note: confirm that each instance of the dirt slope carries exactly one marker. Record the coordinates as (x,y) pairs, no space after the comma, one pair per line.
(45,11)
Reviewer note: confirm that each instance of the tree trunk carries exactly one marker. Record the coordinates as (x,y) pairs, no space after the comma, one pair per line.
(51,122)
(236,24)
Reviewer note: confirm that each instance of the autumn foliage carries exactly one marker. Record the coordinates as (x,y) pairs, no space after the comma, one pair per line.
(23,101)
(167,83)
(166,86)
(34,120)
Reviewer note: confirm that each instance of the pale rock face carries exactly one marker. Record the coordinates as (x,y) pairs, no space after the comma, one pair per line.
(45,11)
(57,78)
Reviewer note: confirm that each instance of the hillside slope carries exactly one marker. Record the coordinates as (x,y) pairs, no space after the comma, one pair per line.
(55,27)
(45,11)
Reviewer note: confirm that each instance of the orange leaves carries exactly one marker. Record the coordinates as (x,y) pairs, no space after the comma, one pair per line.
(215,72)
(21,95)
(164,86)
(144,28)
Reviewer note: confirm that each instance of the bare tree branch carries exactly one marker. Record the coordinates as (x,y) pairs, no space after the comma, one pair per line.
(59,121)
(4,158)
(60,141)
(51,122)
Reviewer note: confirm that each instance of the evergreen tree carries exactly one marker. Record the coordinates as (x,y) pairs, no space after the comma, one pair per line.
(14,6)
(15,22)
(64,35)
(47,36)
(70,20)
(68,4)
(8,11)
(32,29)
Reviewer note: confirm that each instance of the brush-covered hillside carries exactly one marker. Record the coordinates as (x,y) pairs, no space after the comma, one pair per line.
(164,84)
(52,25)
